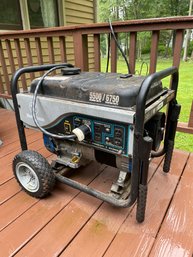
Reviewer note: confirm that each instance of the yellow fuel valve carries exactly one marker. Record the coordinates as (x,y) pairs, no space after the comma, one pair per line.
(75,159)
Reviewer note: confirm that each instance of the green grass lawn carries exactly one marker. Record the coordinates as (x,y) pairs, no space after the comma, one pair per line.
(185,93)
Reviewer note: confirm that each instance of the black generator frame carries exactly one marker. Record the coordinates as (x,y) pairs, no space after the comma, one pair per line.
(142,145)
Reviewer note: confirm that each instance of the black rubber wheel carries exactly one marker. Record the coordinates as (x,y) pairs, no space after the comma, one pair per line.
(168,157)
(33,173)
(141,203)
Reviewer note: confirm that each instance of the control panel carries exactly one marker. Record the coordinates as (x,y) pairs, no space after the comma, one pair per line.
(104,134)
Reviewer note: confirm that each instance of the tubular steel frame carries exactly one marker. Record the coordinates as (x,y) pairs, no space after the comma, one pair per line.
(140,156)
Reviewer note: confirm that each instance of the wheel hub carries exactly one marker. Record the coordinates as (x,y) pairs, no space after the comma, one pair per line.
(27,177)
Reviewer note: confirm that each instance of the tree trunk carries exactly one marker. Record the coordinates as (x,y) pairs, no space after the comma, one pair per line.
(168,45)
(191,56)
(187,39)
(139,49)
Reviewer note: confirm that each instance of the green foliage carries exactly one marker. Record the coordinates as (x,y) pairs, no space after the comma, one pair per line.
(190,48)
(183,141)
(141,9)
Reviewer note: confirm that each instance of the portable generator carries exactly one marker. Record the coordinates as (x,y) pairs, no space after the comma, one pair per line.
(111,118)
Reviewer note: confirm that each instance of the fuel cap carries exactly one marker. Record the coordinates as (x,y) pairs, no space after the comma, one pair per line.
(70,71)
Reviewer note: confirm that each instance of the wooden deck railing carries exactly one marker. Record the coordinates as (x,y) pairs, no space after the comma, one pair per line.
(81,45)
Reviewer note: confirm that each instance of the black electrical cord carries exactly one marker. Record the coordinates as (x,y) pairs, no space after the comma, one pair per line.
(108,54)
(141,68)
(73,136)
(117,43)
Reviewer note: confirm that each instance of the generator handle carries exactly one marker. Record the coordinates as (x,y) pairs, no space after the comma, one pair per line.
(144,90)
(29,69)
(139,123)
(15,90)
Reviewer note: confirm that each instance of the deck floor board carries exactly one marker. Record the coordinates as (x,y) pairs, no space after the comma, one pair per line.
(71,223)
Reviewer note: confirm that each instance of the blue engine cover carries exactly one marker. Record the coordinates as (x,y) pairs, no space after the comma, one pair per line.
(48,142)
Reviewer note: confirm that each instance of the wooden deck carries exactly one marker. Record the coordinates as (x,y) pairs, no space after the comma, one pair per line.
(70,223)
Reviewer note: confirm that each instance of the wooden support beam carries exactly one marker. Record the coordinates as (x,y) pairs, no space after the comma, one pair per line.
(132,51)
(29,55)
(81,50)
(20,62)
(114,54)
(190,122)
(4,69)
(39,52)
(97,57)
(62,41)
(154,51)
(178,47)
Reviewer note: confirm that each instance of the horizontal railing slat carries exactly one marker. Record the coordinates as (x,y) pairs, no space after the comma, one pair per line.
(171,23)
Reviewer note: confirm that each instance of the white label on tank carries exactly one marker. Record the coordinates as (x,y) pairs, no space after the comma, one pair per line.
(103,98)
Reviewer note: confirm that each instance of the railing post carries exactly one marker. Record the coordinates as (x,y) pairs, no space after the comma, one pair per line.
(29,55)
(20,61)
(10,55)
(190,122)
(51,50)
(154,51)
(1,85)
(63,48)
(4,69)
(97,56)
(81,50)
(178,47)
(132,51)
(39,52)
(113,54)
